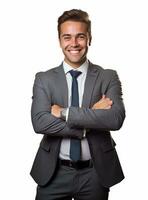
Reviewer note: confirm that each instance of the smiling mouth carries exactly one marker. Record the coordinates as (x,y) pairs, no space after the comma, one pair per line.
(74,52)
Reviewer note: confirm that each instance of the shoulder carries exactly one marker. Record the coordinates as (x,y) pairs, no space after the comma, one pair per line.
(46,75)
(102,71)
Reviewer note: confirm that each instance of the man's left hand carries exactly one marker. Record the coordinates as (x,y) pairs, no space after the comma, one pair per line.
(56,110)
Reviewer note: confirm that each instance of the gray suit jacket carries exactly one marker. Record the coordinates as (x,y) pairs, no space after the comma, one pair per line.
(51,88)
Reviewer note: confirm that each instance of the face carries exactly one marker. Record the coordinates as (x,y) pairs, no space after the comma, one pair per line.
(74,41)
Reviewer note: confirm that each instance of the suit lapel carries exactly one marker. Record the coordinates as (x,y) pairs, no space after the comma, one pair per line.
(61,85)
(91,77)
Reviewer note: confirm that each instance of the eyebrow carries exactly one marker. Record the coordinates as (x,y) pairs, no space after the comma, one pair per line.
(66,34)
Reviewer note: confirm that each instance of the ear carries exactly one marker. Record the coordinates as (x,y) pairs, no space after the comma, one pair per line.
(89,41)
(59,42)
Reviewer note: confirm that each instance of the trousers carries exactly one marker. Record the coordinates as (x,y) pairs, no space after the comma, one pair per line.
(69,183)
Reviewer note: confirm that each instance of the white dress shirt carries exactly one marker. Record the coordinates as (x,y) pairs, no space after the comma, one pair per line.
(65,144)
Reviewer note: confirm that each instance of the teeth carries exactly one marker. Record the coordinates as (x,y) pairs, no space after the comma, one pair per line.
(74,52)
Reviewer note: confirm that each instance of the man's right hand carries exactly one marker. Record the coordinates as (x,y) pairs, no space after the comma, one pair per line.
(103,103)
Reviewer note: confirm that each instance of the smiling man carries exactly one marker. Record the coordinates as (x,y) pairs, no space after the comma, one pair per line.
(73,41)
(75,106)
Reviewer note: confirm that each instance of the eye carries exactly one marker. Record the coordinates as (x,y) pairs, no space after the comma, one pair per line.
(66,38)
(81,36)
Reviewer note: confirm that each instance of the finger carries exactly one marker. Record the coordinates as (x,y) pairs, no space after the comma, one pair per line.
(107,108)
(110,102)
(108,99)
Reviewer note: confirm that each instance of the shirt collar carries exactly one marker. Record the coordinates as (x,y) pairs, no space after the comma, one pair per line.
(83,68)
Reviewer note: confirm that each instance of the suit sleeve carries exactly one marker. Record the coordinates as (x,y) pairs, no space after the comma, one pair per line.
(42,119)
(101,119)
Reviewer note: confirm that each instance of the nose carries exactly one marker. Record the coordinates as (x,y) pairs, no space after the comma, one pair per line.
(74,42)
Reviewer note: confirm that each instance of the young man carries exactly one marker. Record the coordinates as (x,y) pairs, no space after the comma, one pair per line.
(75,106)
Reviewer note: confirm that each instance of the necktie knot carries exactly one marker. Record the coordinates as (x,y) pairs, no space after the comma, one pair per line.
(74,73)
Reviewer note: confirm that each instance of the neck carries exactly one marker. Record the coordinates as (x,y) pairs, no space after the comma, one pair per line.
(75,65)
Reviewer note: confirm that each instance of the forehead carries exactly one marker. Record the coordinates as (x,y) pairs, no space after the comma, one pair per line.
(71,27)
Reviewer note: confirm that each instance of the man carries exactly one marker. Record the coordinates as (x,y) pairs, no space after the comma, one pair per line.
(75,106)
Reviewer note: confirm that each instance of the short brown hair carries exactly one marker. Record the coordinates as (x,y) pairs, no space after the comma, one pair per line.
(75,15)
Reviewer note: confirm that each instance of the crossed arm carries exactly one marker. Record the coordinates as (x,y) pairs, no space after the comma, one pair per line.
(103,103)
(43,121)
(106,114)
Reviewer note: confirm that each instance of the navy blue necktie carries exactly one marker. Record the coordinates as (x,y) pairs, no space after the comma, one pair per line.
(75,144)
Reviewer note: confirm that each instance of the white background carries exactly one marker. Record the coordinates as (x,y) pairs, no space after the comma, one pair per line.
(28,44)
